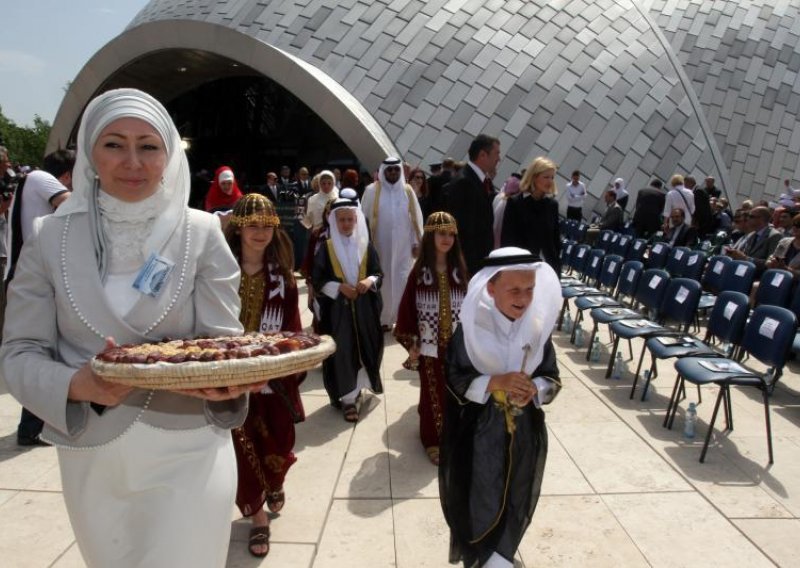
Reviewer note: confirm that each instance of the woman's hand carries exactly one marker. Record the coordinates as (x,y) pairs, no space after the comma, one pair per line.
(86,386)
(221,393)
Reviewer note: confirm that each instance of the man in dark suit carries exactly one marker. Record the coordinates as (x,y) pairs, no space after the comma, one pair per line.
(649,205)
(468,198)
(436,184)
(761,242)
(702,216)
(680,234)
(272,190)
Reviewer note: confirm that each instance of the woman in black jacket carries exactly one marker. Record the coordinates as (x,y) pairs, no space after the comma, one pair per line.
(531,217)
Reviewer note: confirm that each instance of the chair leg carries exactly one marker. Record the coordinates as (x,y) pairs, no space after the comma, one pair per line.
(575,324)
(769,424)
(673,402)
(613,357)
(711,425)
(638,370)
(728,408)
(653,373)
(630,350)
(591,340)
(699,395)
(561,315)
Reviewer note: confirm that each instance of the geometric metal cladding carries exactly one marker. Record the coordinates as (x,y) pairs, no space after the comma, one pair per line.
(614,88)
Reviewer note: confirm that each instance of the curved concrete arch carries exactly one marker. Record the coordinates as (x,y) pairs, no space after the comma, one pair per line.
(329,100)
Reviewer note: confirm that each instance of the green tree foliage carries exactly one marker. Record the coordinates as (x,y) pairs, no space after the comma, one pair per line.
(25,144)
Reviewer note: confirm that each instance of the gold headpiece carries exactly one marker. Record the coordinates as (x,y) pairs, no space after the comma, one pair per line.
(254,209)
(441,221)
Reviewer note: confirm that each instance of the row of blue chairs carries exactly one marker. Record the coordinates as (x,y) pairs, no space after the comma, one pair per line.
(653,305)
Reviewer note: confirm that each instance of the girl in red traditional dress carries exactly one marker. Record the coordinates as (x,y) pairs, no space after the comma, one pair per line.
(268,291)
(428,316)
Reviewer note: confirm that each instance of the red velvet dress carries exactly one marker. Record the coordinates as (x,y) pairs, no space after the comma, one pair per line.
(265,441)
(428,316)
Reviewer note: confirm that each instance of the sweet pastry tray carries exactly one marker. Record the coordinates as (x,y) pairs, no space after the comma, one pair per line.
(213,362)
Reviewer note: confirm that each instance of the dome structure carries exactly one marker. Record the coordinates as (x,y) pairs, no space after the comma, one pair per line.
(613,88)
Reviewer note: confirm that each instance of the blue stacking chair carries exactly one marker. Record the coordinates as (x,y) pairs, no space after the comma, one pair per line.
(767,338)
(658,255)
(738,276)
(604,239)
(692,265)
(609,276)
(567,250)
(621,246)
(794,306)
(606,315)
(637,249)
(774,288)
(629,277)
(591,278)
(649,297)
(712,280)
(580,231)
(677,308)
(674,259)
(725,326)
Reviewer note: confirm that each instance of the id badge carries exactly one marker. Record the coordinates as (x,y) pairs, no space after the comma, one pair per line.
(153,275)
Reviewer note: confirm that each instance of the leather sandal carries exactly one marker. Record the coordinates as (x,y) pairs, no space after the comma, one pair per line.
(433,454)
(276,500)
(350,412)
(259,536)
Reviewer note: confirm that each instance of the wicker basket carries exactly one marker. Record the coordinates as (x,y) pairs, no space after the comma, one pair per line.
(212,374)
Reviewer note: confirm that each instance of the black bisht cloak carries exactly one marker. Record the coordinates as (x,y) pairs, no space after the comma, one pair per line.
(354,325)
(489,480)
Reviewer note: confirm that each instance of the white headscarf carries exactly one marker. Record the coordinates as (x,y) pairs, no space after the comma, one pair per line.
(619,188)
(391,161)
(533,328)
(102,111)
(349,250)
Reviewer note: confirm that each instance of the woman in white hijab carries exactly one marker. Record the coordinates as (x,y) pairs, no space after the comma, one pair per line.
(149,477)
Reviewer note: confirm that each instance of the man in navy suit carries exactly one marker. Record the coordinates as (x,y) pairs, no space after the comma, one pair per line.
(469,199)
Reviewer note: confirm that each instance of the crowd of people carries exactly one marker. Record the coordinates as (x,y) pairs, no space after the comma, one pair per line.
(461,273)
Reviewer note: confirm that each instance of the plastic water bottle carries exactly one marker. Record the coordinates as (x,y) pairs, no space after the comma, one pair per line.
(689,421)
(646,384)
(594,356)
(567,323)
(619,365)
(579,340)
(727,349)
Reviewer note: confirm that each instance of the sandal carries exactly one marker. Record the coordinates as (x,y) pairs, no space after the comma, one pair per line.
(433,454)
(350,413)
(411,365)
(276,500)
(259,536)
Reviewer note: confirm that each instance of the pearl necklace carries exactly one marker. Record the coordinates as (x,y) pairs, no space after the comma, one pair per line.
(74,305)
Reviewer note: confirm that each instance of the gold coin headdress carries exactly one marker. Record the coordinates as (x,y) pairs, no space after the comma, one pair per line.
(441,221)
(254,209)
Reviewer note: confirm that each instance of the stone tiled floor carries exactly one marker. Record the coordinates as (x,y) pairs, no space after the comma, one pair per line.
(619,490)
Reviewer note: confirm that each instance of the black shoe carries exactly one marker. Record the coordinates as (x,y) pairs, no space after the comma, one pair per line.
(31,441)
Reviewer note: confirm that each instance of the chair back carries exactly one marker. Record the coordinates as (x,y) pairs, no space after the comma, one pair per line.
(594,265)
(715,270)
(728,317)
(621,245)
(738,276)
(680,301)
(580,255)
(769,335)
(658,255)
(580,231)
(604,239)
(775,288)
(567,249)
(612,268)
(692,265)
(629,276)
(637,249)
(674,260)
(794,304)
(652,287)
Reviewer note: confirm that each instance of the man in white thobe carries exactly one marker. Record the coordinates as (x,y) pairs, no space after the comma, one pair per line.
(395,222)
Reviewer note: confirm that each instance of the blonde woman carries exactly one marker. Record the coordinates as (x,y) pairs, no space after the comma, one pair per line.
(531,217)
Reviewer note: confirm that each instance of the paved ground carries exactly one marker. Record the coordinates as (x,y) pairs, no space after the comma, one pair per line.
(620,490)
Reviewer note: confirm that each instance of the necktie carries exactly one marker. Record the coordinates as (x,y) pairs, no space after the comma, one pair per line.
(487,185)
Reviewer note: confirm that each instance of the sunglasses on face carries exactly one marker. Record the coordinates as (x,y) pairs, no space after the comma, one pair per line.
(392,169)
